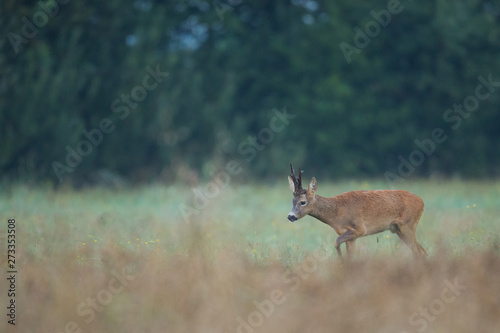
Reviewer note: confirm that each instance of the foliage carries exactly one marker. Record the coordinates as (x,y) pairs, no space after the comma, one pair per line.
(230,64)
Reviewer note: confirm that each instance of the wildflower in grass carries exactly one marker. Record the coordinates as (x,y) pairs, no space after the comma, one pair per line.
(90,235)
(468,206)
(83,243)
(387,236)
(95,240)
(474,206)
(146,243)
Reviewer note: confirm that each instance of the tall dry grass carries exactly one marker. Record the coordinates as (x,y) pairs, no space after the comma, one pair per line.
(102,261)
(228,292)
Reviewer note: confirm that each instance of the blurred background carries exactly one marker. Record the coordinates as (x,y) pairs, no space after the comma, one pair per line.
(172,91)
(151,108)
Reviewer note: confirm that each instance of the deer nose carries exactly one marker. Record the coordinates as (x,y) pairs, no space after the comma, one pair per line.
(292,218)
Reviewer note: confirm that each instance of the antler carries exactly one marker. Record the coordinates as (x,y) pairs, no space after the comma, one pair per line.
(296,182)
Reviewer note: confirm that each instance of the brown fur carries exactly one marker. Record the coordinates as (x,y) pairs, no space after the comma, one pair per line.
(361,213)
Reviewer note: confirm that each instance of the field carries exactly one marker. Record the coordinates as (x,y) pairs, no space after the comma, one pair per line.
(130,261)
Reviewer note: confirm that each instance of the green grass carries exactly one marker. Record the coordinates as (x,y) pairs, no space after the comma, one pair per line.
(458,216)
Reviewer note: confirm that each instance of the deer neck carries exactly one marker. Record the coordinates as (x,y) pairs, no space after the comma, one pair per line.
(324,209)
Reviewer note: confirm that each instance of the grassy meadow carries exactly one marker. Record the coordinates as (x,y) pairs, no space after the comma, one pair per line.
(101,260)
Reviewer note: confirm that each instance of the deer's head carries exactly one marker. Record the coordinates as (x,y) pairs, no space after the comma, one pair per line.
(302,199)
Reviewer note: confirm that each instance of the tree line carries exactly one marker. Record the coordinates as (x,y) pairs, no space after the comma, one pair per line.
(174,91)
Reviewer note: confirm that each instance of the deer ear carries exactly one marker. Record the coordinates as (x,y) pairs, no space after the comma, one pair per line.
(292,185)
(313,186)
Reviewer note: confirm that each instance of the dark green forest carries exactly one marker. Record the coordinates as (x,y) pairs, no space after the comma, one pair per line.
(176,91)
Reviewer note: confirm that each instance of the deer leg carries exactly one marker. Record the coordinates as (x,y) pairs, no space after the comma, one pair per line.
(409,237)
(350,246)
(337,247)
(347,236)
(405,239)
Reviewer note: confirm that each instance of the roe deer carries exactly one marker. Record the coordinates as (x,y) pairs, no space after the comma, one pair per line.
(359,213)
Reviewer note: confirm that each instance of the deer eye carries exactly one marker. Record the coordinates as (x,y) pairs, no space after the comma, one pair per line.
(303,203)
